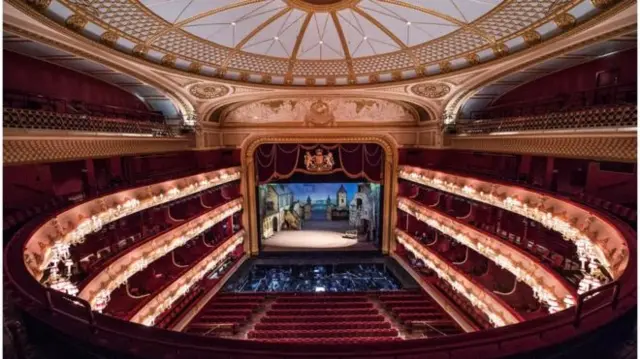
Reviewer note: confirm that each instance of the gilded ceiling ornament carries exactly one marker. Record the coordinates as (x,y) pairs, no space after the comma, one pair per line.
(500,50)
(431,90)
(319,114)
(445,66)
(195,67)
(244,76)
(76,22)
(309,81)
(565,21)
(288,79)
(140,50)
(351,79)
(208,92)
(267,79)
(168,60)
(40,5)
(221,72)
(473,59)
(396,75)
(532,37)
(374,78)
(331,80)
(603,4)
(420,70)
(109,38)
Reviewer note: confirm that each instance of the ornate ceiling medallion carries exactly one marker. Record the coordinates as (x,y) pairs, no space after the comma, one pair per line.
(431,90)
(208,92)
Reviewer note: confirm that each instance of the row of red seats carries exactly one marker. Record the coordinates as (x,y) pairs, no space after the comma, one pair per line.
(332,299)
(322,325)
(350,340)
(322,305)
(178,308)
(337,318)
(333,333)
(314,312)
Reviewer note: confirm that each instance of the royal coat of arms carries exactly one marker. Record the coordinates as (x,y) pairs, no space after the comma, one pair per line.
(319,162)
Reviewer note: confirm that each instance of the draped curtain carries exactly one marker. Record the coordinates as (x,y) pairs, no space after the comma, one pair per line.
(357,161)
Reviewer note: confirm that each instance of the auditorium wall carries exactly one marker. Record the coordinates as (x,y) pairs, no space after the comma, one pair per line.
(575,79)
(28,75)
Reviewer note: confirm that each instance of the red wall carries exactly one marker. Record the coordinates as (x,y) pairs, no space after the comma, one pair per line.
(26,74)
(575,79)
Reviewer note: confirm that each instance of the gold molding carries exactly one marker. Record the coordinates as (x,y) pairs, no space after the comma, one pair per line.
(616,146)
(251,143)
(312,8)
(296,46)
(32,146)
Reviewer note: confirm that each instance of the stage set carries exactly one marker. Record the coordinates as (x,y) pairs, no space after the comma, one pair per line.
(319,197)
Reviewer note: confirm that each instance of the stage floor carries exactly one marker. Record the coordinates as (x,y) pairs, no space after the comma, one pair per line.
(316,236)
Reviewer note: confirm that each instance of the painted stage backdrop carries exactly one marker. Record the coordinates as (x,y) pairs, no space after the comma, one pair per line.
(350,209)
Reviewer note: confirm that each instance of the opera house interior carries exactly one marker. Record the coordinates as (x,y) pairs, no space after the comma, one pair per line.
(261,179)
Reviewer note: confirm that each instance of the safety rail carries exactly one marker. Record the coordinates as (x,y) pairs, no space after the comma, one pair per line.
(616,117)
(45,120)
(586,295)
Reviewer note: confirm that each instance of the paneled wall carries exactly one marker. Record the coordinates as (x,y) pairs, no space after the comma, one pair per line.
(28,75)
(600,72)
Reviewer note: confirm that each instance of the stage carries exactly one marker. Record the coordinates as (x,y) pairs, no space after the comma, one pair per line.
(316,235)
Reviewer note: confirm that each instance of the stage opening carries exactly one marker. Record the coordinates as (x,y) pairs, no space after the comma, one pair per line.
(341,216)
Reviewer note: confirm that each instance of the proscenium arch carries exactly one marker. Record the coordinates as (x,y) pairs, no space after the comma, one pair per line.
(251,143)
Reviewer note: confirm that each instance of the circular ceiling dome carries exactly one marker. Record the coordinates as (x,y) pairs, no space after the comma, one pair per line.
(320,30)
(322,42)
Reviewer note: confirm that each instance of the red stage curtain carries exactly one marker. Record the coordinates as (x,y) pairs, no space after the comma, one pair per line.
(357,161)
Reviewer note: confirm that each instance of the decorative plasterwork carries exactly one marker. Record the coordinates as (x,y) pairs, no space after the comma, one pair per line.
(208,92)
(603,146)
(431,90)
(23,147)
(321,111)
(279,42)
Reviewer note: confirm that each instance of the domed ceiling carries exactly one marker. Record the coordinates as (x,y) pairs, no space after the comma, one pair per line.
(319,42)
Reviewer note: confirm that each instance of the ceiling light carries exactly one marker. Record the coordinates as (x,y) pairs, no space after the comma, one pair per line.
(233,24)
(408,23)
(276,38)
(364,38)
(321,42)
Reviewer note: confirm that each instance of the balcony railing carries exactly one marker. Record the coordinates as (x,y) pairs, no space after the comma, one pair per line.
(618,117)
(45,120)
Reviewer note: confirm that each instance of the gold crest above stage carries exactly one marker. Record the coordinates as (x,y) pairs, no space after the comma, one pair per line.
(319,162)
